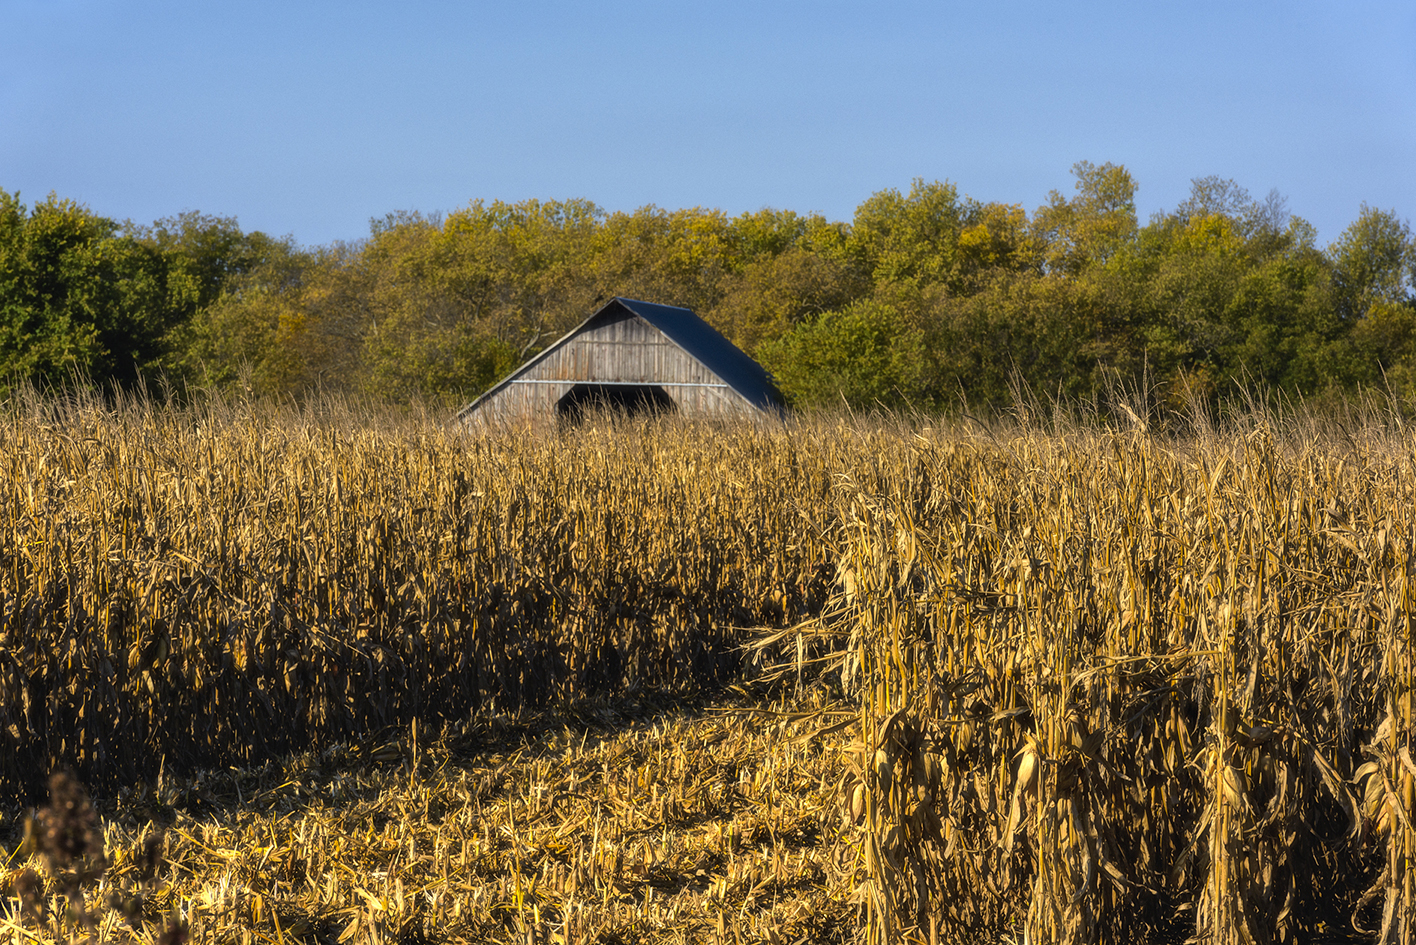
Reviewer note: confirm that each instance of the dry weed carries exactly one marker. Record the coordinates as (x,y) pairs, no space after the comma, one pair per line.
(612,822)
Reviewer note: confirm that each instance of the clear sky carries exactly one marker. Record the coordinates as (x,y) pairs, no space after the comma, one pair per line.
(308,118)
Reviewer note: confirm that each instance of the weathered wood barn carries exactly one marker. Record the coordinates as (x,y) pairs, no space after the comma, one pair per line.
(637,357)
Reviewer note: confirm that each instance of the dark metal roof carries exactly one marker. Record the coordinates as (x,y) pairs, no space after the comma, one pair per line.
(712,350)
(691,333)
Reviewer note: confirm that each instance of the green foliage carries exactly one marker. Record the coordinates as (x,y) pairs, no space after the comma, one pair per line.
(1374,262)
(1283,326)
(910,237)
(516,267)
(1095,224)
(864,355)
(208,252)
(254,331)
(774,294)
(996,241)
(1381,349)
(80,300)
(921,298)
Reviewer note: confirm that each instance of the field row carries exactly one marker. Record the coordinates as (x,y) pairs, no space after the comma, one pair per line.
(219,588)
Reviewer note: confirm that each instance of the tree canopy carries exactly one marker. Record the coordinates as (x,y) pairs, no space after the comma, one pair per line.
(921,298)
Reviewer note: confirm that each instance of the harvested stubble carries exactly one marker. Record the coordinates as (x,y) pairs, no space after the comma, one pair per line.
(1118,690)
(614,822)
(223,584)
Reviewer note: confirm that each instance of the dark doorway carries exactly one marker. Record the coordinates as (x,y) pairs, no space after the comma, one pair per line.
(624,400)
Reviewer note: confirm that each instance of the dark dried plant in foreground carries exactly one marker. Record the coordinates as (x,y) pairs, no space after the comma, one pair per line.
(65,840)
(608,822)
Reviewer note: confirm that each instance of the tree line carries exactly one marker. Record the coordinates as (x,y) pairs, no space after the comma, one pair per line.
(922,299)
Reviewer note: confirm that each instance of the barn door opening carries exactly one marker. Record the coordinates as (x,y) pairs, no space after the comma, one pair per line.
(626,400)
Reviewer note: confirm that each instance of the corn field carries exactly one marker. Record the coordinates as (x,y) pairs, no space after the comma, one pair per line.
(619,822)
(1115,689)
(1075,682)
(217,586)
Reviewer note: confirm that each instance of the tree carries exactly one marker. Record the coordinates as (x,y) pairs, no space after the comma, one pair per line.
(1284,327)
(79,299)
(774,294)
(996,240)
(270,326)
(679,257)
(211,251)
(863,354)
(1374,261)
(521,271)
(1383,345)
(1092,226)
(445,304)
(767,233)
(1262,223)
(909,238)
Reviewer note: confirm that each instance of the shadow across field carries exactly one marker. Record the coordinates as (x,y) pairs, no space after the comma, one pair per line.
(629,819)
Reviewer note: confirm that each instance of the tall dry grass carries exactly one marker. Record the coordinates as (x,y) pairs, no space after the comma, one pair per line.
(1121,688)
(1113,685)
(220,584)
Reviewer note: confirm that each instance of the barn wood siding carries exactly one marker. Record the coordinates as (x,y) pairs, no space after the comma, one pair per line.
(616,347)
(623,349)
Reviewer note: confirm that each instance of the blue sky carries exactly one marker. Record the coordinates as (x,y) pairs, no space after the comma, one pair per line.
(308,118)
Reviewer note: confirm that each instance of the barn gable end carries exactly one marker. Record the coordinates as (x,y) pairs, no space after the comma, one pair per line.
(640,352)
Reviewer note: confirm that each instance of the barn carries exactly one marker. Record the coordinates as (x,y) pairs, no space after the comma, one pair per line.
(637,357)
